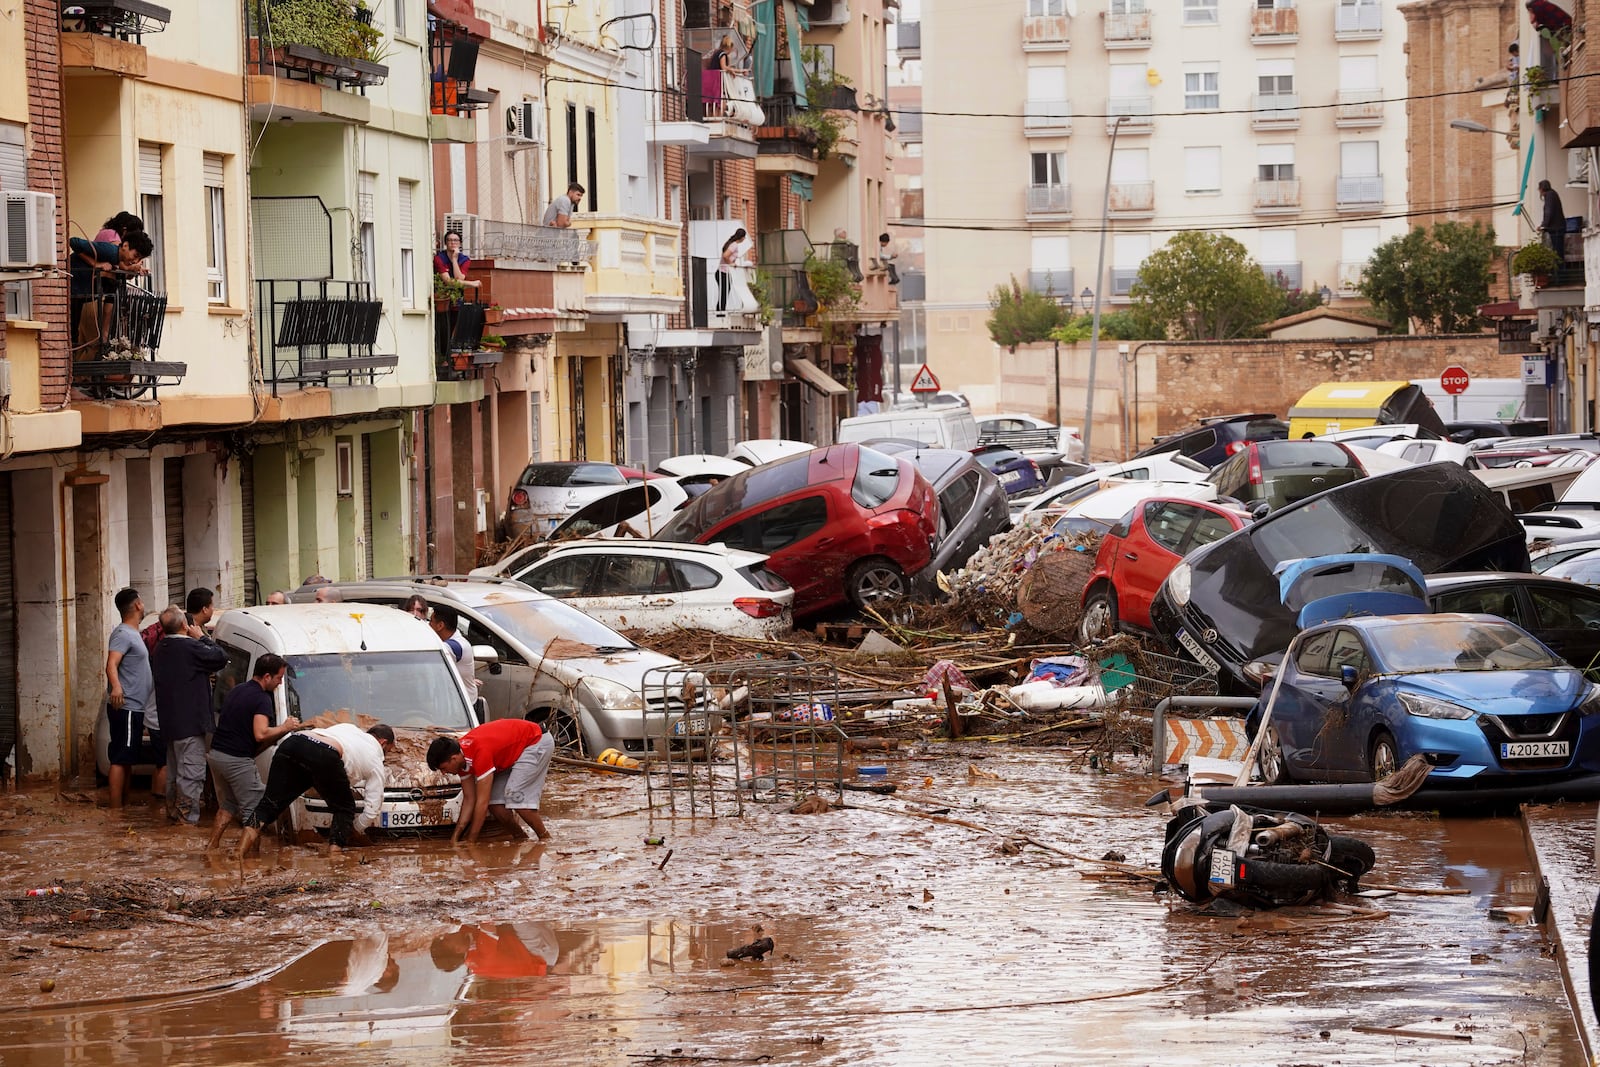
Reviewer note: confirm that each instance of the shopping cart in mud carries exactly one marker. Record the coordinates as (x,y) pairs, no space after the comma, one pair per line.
(1144,678)
(768,736)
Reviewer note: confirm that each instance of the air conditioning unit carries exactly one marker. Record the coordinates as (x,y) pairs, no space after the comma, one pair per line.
(829,13)
(525,123)
(27,230)
(470,227)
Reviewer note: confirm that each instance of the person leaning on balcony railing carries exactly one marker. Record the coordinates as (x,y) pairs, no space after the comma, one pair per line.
(719,63)
(452,262)
(100,270)
(562,208)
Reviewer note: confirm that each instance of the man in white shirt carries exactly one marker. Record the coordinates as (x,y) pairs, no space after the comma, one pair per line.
(337,761)
(446,622)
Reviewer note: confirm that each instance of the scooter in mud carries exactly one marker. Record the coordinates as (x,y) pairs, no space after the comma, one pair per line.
(1258,858)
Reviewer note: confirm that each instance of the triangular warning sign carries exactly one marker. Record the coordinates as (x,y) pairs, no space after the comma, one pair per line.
(924,382)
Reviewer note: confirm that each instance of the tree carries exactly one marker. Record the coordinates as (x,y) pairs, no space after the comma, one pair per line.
(1204,286)
(1432,279)
(1019,316)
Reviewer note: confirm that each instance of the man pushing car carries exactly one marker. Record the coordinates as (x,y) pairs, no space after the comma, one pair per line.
(502,766)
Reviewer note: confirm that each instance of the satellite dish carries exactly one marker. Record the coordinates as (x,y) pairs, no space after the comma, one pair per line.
(1072,9)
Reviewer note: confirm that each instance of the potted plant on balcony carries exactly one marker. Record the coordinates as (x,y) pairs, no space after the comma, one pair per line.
(1540,86)
(493,342)
(493,315)
(446,292)
(837,295)
(1537,259)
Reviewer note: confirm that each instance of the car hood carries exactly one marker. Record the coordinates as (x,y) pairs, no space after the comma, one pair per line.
(625,667)
(1325,588)
(1508,692)
(407,765)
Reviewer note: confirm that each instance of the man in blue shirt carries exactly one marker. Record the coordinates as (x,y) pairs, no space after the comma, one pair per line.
(129,691)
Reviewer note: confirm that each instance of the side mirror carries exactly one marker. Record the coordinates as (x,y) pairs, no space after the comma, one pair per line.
(1349,676)
(485,654)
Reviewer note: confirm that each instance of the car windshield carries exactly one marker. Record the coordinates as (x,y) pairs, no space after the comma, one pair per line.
(415,689)
(876,478)
(1303,454)
(538,623)
(1424,646)
(548,475)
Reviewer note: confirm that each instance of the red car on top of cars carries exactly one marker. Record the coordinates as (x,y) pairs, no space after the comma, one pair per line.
(844,523)
(1138,553)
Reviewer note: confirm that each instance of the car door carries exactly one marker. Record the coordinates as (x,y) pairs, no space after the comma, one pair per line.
(1498,598)
(511,686)
(566,577)
(633,591)
(1147,555)
(1568,620)
(1349,717)
(1303,702)
(1232,476)
(794,533)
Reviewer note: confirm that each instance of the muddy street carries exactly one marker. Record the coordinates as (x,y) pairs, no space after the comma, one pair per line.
(898,939)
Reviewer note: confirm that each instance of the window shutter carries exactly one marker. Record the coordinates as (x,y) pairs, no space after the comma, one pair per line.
(407,222)
(150,169)
(213,171)
(13,158)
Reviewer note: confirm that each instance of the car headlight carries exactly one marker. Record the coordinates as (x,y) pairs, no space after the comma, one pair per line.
(1178,584)
(613,696)
(1431,708)
(1590,704)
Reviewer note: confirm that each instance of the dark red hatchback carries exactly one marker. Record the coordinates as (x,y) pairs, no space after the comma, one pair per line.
(841,524)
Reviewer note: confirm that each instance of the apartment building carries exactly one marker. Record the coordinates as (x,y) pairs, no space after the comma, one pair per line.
(905,105)
(1274,122)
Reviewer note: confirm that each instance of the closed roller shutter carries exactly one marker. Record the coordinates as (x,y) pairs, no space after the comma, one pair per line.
(366,500)
(172,494)
(8,625)
(247,523)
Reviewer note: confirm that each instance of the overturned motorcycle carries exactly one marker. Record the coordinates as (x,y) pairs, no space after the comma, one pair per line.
(1258,858)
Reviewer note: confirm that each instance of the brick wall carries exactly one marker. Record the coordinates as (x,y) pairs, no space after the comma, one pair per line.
(47,173)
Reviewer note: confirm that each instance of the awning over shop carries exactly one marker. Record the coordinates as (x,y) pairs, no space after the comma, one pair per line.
(814,376)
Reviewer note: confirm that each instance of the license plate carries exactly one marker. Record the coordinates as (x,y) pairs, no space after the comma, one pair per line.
(400,818)
(1011,476)
(1221,867)
(689,726)
(1533,750)
(1200,654)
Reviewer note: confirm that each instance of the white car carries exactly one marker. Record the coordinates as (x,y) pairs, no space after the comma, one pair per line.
(698,463)
(1166,467)
(1102,509)
(1373,436)
(1029,433)
(661,586)
(766,449)
(638,509)
(1558,527)
(1428,452)
(547,492)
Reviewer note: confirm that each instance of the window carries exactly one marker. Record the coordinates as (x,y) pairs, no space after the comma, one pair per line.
(344,467)
(1275,77)
(1052,264)
(635,576)
(1129,80)
(1199,12)
(1200,87)
(216,232)
(1358,159)
(400,27)
(1047,84)
(1039,8)
(783,525)
(405,233)
(1275,162)
(958,498)
(151,210)
(1128,251)
(14,178)
(1501,601)
(572,144)
(591,138)
(1127,7)
(565,577)
(1346,652)
(1167,524)
(1566,609)
(1209,527)
(695,575)
(1048,168)
(1202,170)
(1130,165)
(1313,655)
(366,216)
(1278,247)
(235,672)
(1358,72)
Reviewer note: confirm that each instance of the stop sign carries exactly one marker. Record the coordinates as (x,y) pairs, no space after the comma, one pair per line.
(1454,380)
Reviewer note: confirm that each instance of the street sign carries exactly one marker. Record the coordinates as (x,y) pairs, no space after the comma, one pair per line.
(924,382)
(1454,380)
(1516,337)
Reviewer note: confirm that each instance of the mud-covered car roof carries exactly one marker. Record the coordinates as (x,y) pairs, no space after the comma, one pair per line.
(302,628)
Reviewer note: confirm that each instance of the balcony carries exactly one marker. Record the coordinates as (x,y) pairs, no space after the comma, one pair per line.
(1281,197)
(292,77)
(908,40)
(782,253)
(1137,113)
(452,100)
(1131,30)
(1359,107)
(1359,193)
(634,266)
(1131,200)
(1276,111)
(318,332)
(1056,282)
(1047,118)
(1284,275)
(524,271)
(1122,279)
(1350,273)
(783,144)
(1051,200)
(117,337)
(1357,22)
(107,37)
(1046,33)
(1274,25)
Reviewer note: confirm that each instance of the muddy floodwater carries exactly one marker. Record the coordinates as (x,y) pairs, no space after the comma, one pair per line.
(897,939)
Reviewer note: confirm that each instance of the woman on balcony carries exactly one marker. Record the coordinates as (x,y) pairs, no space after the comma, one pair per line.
(733,287)
(712,82)
(450,262)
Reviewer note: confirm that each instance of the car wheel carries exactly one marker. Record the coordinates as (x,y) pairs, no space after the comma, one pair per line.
(562,726)
(1384,757)
(1270,761)
(1099,619)
(875,581)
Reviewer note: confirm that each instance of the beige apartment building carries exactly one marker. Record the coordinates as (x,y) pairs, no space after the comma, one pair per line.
(1278,122)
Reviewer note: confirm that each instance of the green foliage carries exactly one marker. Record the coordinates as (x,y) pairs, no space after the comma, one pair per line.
(825,125)
(1019,316)
(1121,325)
(837,295)
(446,288)
(329,25)
(1204,286)
(761,289)
(1432,279)
(1535,257)
(492,340)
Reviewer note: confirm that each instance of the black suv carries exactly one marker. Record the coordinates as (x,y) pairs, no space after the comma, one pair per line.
(1219,437)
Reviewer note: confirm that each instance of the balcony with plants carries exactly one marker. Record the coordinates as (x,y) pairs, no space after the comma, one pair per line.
(117,340)
(331,43)
(107,36)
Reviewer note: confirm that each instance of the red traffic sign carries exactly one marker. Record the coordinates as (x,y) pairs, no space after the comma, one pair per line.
(924,382)
(1454,380)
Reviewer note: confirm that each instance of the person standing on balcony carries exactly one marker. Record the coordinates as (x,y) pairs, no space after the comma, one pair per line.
(562,208)
(118,226)
(718,64)
(1553,223)
(451,262)
(729,261)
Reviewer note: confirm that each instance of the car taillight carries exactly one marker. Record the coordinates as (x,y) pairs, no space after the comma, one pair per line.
(1233,447)
(1033,467)
(519,498)
(758,607)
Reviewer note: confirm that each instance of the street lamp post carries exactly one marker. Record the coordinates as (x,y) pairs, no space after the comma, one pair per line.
(1099,273)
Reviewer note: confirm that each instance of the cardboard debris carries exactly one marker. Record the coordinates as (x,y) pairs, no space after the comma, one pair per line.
(875,643)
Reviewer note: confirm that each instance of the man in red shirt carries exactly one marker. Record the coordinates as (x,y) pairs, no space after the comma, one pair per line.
(502,765)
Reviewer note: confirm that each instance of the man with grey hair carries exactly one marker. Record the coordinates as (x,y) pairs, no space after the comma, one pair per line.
(329,595)
(182,665)
(277,596)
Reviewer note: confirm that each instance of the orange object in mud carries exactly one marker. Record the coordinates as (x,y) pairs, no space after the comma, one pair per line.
(612,758)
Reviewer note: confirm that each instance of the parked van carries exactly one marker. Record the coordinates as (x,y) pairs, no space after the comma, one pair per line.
(949,427)
(1335,406)
(359,661)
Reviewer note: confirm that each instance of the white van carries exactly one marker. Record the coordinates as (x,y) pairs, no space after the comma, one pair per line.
(949,427)
(356,660)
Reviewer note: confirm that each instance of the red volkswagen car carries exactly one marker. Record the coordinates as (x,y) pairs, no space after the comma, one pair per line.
(1139,552)
(842,524)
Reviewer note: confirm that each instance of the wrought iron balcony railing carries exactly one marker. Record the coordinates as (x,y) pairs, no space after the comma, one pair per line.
(117,336)
(318,332)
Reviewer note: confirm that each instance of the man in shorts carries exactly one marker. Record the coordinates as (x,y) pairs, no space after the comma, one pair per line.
(243,729)
(502,765)
(130,692)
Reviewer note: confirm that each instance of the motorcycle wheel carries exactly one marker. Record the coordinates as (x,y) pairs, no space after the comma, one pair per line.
(1351,855)
(1282,880)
